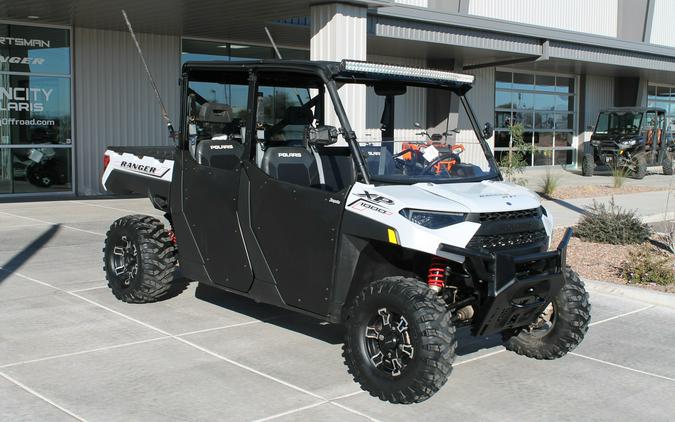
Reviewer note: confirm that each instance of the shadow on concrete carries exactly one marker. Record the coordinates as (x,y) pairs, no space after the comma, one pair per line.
(569,206)
(24,255)
(312,327)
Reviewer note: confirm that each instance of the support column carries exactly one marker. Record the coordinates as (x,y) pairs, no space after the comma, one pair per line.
(339,31)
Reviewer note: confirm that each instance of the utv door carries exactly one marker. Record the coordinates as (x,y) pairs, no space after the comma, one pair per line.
(217,105)
(296,204)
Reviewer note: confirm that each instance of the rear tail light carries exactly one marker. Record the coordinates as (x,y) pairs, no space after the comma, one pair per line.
(106,161)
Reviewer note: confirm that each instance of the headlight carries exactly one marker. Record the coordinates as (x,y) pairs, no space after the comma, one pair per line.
(628,143)
(432,219)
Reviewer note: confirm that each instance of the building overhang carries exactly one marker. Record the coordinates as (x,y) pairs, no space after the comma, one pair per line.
(503,40)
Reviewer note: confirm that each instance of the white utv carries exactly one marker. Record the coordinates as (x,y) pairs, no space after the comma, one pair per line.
(402,239)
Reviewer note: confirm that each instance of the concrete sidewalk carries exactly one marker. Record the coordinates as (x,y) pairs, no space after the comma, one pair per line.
(651,206)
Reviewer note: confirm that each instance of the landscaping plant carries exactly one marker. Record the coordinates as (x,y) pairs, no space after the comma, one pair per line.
(549,183)
(619,175)
(647,264)
(609,223)
(513,163)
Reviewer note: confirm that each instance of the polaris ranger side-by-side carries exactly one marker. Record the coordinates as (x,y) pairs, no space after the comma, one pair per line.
(630,138)
(270,194)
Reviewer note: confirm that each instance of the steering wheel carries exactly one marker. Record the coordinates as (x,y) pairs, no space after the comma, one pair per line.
(441,157)
(402,163)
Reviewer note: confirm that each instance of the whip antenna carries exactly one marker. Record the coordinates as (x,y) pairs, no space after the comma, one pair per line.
(274,45)
(165,115)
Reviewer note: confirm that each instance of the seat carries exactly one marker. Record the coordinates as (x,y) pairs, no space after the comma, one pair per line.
(219,154)
(291,164)
(216,119)
(338,167)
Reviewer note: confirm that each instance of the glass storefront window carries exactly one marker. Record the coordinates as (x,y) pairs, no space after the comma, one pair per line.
(663,97)
(33,49)
(546,107)
(35,109)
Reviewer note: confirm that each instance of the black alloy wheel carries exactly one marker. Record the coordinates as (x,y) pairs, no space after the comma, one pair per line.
(124,260)
(388,342)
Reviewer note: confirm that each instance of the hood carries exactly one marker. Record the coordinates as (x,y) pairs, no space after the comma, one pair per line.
(486,196)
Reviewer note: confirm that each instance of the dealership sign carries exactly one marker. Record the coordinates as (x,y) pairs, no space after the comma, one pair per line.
(22,42)
(24,99)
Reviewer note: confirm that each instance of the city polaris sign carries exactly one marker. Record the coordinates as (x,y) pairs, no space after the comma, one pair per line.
(24,99)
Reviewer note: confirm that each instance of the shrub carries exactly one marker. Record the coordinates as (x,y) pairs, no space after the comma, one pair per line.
(549,183)
(513,162)
(619,175)
(648,265)
(609,223)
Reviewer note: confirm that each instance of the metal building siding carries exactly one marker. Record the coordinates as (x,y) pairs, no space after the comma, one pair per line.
(114,102)
(482,100)
(593,17)
(662,23)
(418,3)
(599,95)
(389,27)
(409,108)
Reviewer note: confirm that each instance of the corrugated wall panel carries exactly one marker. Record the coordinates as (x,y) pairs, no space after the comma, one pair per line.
(382,26)
(339,32)
(412,109)
(482,100)
(114,102)
(419,3)
(662,23)
(615,57)
(599,95)
(593,17)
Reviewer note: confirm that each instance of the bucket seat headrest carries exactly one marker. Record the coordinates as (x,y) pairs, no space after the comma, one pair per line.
(215,113)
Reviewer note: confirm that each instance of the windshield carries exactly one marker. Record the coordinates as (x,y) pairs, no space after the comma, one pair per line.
(618,123)
(411,136)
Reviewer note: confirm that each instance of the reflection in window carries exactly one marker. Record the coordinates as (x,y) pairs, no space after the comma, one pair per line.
(544,104)
(35,110)
(663,97)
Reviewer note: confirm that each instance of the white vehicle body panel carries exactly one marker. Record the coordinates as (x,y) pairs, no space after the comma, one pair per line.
(145,166)
(384,203)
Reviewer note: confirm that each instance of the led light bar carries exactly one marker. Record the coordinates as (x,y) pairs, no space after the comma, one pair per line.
(410,72)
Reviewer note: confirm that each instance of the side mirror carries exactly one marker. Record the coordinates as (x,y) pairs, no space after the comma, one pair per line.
(322,135)
(488,131)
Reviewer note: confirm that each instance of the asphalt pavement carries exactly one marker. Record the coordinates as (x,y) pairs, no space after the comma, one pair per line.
(70,351)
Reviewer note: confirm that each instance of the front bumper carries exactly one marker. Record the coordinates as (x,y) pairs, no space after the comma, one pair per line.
(518,287)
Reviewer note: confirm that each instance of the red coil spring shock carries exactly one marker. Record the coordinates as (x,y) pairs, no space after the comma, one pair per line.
(436,275)
(172,236)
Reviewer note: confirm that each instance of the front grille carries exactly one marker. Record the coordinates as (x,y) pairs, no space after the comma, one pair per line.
(509,215)
(506,240)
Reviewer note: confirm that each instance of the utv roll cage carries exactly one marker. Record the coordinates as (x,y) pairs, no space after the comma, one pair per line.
(350,71)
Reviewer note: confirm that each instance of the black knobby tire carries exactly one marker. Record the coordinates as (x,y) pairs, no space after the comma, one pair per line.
(151,272)
(640,164)
(667,165)
(571,315)
(587,165)
(432,336)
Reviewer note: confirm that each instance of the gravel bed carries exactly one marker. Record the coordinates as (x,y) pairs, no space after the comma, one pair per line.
(600,261)
(594,191)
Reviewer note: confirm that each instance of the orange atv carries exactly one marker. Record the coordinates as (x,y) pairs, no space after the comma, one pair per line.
(446,156)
